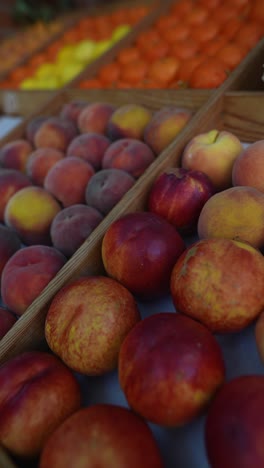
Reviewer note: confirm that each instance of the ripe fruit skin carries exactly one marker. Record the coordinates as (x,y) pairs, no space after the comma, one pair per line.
(234,427)
(220,283)
(169,368)
(139,250)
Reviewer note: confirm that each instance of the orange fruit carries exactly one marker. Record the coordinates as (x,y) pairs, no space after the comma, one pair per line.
(164,70)
(184,49)
(109,73)
(165,22)
(181,32)
(147,36)
(256,12)
(188,66)
(155,49)
(211,47)
(249,34)
(134,72)
(204,32)
(128,54)
(223,13)
(231,54)
(181,8)
(197,15)
(211,73)
(230,29)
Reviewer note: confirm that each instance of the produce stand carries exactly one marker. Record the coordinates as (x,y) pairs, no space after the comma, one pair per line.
(236,106)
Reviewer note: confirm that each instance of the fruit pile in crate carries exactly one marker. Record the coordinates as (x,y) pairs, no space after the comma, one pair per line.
(195,44)
(139,350)
(78,46)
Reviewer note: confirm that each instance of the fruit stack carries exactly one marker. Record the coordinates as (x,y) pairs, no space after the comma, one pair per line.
(145,321)
(196,44)
(80,45)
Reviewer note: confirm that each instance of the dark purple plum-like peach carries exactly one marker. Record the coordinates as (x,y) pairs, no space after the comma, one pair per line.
(71,227)
(106,187)
(9,244)
(7,320)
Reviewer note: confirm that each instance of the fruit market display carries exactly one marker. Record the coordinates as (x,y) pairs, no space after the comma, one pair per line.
(196,45)
(153,334)
(78,46)
(59,181)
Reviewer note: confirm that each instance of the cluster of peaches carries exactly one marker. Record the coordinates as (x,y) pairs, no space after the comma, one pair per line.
(196,44)
(15,48)
(60,181)
(78,46)
(170,365)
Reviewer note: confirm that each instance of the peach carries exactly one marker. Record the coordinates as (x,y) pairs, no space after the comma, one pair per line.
(37,393)
(7,320)
(178,195)
(94,117)
(87,321)
(234,213)
(234,427)
(214,153)
(72,109)
(104,435)
(33,126)
(248,167)
(90,147)
(169,368)
(11,180)
(14,155)
(72,226)
(55,132)
(9,244)
(40,162)
(128,154)
(128,121)
(164,127)
(27,273)
(67,180)
(106,187)
(30,212)
(139,250)
(219,282)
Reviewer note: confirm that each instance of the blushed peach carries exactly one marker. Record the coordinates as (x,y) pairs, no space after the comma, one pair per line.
(128,121)
(67,180)
(72,226)
(130,155)
(11,180)
(94,117)
(90,147)
(37,393)
(14,155)
(55,132)
(30,212)
(33,125)
(248,168)
(106,187)
(40,162)
(164,127)
(72,109)
(87,321)
(27,273)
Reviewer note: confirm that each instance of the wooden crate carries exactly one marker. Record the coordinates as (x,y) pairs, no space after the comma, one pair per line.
(218,111)
(239,112)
